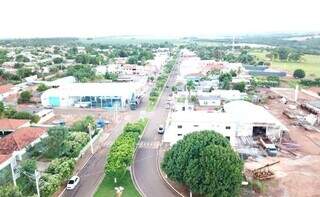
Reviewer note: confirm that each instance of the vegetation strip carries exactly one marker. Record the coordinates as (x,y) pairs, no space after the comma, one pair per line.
(120,158)
(160,84)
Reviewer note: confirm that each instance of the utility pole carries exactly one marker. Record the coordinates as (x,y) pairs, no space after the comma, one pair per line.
(36,174)
(90,135)
(13,175)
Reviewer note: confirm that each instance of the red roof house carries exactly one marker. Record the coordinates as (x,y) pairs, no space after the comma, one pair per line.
(12,124)
(19,139)
(5,88)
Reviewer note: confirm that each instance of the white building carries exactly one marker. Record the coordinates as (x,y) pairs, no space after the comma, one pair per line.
(239,119)
(97,95)
(226,95)
(209,100)
(60,82)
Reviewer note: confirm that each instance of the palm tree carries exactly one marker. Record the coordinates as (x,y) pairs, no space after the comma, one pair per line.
(190,86)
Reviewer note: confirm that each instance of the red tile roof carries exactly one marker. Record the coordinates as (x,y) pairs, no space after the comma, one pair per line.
(11,124)
(5,88)
(19,139)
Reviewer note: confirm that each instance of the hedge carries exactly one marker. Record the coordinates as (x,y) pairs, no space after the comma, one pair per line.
(122,151)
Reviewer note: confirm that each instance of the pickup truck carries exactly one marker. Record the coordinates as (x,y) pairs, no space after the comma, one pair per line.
(270,148)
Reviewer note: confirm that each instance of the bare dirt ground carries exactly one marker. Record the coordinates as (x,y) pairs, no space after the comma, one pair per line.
(296,176)
(72,114)
(289,94)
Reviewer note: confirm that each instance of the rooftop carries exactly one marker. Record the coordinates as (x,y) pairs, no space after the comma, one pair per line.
(5,88)
(315,103)
(95,89)
(19,139)
(11,124)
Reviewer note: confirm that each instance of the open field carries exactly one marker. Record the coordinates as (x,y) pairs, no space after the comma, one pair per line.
(309,63)
(107,186)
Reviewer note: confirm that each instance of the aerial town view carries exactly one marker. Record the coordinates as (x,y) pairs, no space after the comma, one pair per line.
(150,98)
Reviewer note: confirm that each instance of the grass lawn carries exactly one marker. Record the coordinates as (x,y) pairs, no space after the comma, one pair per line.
(309,63)
(151,105)
(106,188)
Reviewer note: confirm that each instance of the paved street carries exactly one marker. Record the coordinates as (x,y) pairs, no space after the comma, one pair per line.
(93,171)
(145,165)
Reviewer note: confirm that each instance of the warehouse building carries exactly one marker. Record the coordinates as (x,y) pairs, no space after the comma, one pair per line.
(93,95)
(237,119)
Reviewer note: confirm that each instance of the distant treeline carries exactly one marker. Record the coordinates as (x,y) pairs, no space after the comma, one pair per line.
(310,45)
(39,42)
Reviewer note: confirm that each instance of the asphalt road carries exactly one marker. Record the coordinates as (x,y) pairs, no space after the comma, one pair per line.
(145,167)
(93,171)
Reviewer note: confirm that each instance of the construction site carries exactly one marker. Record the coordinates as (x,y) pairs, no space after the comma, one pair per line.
(297,159)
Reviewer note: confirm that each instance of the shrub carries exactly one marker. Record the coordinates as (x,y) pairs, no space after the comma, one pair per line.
(62,167)
(10,191)
(42,87)
(122,150)
(49,183)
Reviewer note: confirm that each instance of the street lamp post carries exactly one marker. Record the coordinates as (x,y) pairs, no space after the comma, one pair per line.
(90,135)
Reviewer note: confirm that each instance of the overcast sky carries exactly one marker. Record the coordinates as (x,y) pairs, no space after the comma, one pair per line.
(90,18)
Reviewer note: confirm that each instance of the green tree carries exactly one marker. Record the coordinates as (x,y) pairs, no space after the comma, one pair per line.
(28,166)
(49,183)
(57,60)
(241,86)
(2,109)
(82,125)
(83,73)
(205,162)
(111,76)
(225,80)
(283,53)
(62,166)
(25,97)
(190,86)
(24,72)
(299,74)
(55,142)
(22,58)
(132,60)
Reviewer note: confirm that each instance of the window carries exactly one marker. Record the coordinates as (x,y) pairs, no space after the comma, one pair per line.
(228,127)
(228,138)
(179,134)
(195,125)
(179,126)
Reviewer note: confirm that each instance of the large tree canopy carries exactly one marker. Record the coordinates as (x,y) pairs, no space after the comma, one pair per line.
(205,162)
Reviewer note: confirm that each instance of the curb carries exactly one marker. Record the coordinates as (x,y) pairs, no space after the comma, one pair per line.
(163,177)
(133,177)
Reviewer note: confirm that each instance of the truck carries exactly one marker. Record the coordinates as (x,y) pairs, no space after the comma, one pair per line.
(270,148)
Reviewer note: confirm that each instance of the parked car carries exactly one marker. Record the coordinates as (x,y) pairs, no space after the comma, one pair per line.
(73,182)
(161,129)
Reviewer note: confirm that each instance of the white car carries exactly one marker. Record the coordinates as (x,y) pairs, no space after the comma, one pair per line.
(73,182)
(161,129)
